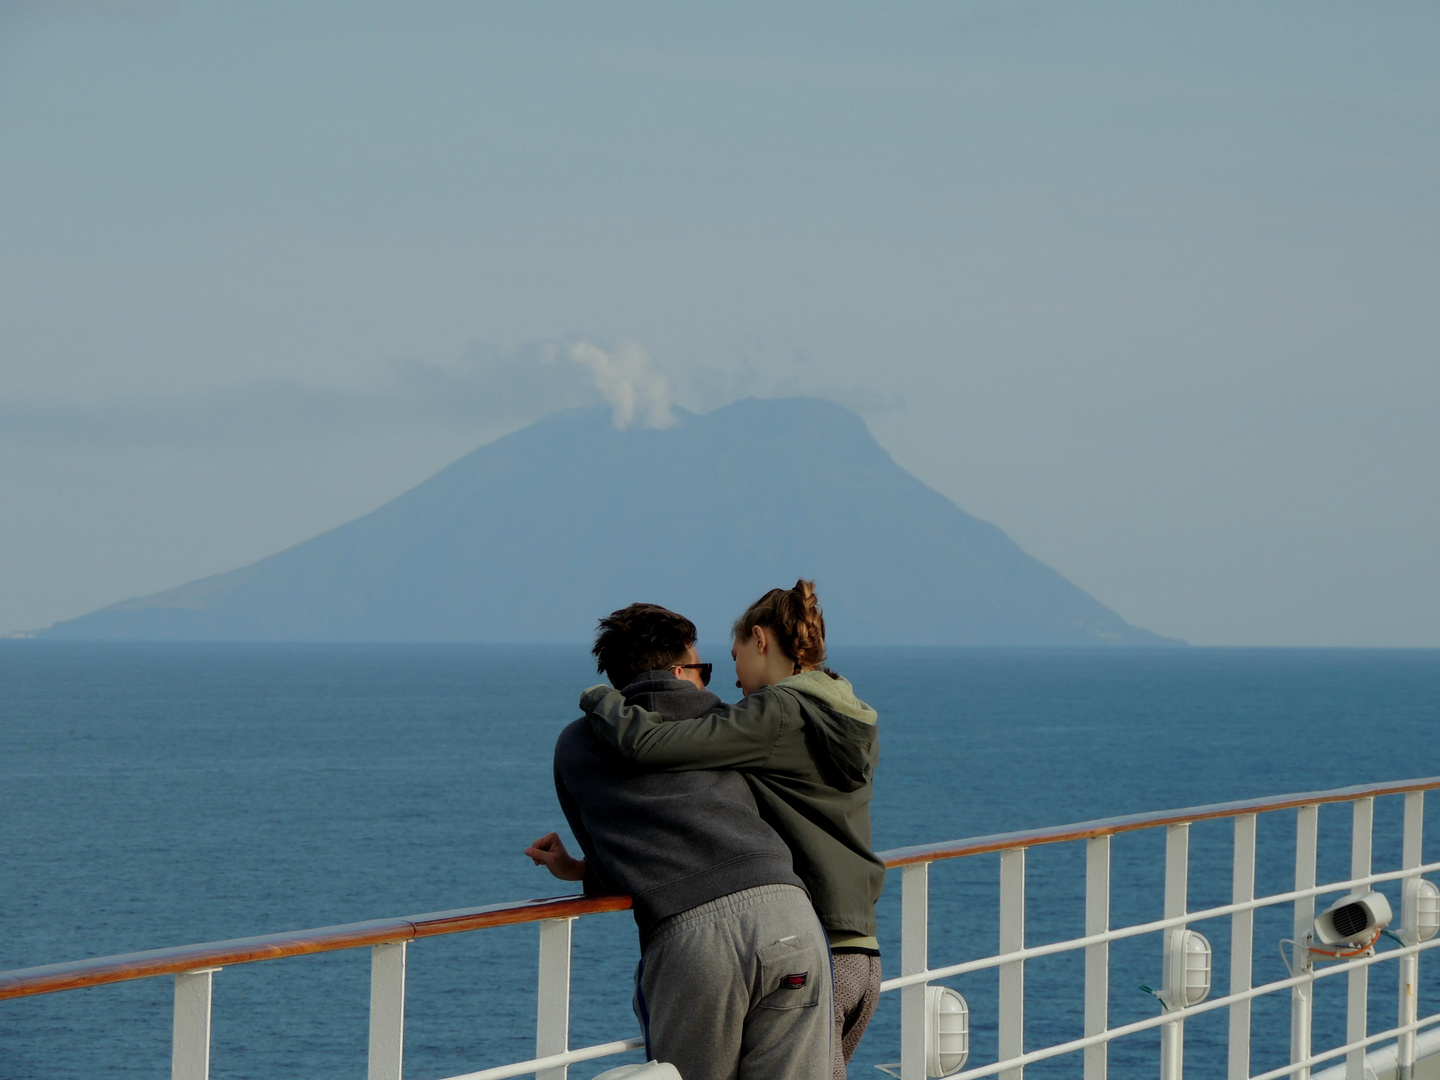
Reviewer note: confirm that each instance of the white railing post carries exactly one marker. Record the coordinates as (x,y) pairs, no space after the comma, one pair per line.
(1356,1026)
(914,958)
(1177,898)
(1097,956)
(1242,945)
(387,1010)
(552,1004)
(1409,965)
(1012,975)
(1307,821)
(190,1045)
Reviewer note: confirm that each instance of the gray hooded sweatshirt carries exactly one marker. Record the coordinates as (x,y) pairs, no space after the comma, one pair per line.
(671,840)
(809,747)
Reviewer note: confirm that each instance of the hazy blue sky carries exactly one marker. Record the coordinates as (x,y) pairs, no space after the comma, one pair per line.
(1152,287)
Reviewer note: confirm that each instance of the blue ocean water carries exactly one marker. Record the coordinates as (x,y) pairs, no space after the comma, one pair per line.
(156,795)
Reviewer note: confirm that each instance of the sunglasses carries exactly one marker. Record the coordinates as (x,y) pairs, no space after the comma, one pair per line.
(704,669)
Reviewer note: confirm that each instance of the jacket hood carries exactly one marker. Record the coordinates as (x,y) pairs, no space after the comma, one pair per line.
(841,729)
(674,699)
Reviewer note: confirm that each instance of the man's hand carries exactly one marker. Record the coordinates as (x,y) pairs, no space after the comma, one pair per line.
(549,852)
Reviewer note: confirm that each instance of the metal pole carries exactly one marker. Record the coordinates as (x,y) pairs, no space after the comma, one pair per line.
(1097,957)
(1177,895)
(1307,821)
(1409,965)
(1242,945)
(914,958)
(1012,975)
(190,1046)
(387,1010)
(1357,1001)
(552,1004)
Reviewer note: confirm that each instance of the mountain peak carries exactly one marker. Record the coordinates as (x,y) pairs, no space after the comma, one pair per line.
(535,536)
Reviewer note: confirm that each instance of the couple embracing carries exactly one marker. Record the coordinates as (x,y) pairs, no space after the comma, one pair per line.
(742,833)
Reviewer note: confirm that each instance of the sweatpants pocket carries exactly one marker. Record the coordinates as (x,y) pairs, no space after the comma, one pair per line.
(790,974)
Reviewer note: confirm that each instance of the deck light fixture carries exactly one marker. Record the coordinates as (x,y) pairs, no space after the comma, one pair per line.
(947,1031)
(651,1070)
(1187,969)
(1424,897)
(1355,920)
(947,1034)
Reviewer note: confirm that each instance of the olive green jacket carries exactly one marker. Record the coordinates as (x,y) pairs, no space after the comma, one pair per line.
(809,748)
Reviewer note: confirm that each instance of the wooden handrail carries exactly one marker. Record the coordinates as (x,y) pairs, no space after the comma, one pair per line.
(27,982)
(1086,830)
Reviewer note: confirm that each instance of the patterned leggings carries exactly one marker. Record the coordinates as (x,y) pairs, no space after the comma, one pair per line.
(857,992)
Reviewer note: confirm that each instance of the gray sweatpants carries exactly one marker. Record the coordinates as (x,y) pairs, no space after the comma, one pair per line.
(739,989)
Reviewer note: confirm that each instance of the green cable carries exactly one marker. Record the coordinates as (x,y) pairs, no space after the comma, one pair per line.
(1156,996)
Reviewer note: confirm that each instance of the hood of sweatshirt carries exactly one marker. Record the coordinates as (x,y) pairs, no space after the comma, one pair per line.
(674,699)
(841,729)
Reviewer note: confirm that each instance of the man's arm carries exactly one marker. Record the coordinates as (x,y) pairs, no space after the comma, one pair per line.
(586,870)
(549,852)
(739,736)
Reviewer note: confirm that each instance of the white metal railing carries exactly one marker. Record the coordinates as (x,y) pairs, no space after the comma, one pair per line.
(193,966)
(1013,953)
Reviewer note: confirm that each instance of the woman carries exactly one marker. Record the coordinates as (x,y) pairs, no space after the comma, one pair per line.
(808,747)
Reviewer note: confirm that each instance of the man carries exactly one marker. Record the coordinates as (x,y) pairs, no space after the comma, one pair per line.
(734,974)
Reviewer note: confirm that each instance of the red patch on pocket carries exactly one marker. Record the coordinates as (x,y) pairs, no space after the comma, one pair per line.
(795,982)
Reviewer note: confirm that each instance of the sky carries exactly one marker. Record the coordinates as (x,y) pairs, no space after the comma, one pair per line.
(1151,287)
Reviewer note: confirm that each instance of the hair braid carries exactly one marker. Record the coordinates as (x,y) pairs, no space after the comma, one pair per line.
(795,618)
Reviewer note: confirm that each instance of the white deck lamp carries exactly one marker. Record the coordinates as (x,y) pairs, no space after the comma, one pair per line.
(947,1031)
(651,1070)
(1187,969)
(1426,908)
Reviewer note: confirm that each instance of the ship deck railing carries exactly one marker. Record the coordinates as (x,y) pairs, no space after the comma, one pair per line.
(193,966)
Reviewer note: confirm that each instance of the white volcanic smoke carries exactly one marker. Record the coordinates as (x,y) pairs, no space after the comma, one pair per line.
(630,383)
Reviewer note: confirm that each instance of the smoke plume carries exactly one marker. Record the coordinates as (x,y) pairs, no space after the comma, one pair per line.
(629,381)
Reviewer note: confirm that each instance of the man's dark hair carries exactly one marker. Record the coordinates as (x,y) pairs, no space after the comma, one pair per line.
(640,638)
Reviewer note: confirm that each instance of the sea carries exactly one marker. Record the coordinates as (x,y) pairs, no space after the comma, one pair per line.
(154,795)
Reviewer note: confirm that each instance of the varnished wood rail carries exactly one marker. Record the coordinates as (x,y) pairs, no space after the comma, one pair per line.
(28,982)
(1089,830)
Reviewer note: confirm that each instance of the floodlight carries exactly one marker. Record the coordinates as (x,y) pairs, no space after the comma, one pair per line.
(1356,919)
(1426,900)
(1187,969)
(947,1031)
(651,1070)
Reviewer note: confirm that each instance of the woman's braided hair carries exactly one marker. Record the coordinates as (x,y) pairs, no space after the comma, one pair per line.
(794,617)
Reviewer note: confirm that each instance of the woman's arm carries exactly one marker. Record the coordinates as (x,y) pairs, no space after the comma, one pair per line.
(739,736)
